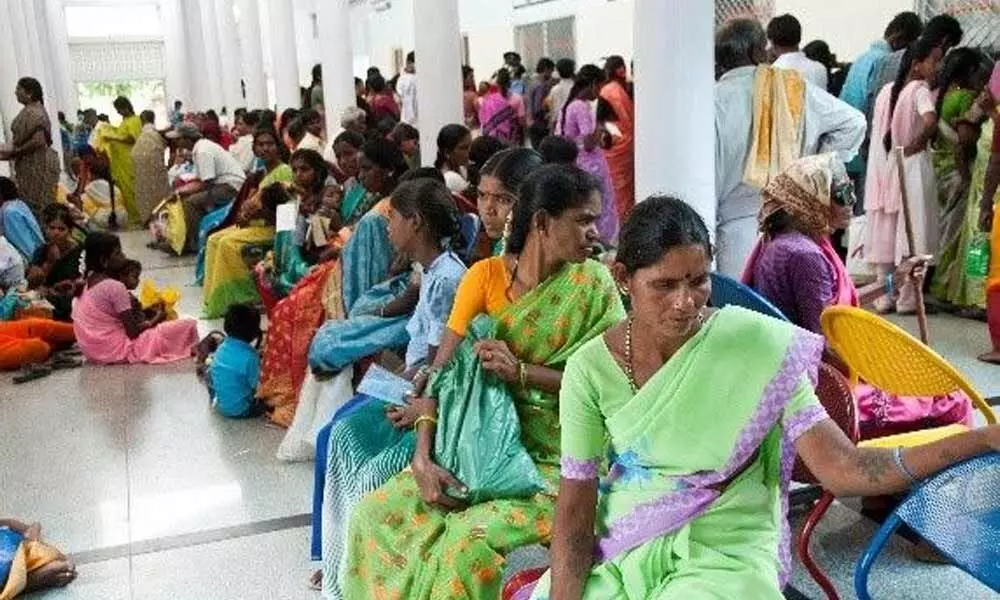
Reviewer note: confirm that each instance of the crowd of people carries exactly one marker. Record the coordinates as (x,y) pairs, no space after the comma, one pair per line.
(505,350)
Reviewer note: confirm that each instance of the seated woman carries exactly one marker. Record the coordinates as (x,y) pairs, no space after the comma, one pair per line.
(229,253)
(294,252)
(423,221)
(109,329)
(331,288)
(704,414)
(499,180)
(17,222)
(55,267)
(346,150)
(453,143)
(101,199)
(272,158)
(11,270)
(547,299)
(796,267)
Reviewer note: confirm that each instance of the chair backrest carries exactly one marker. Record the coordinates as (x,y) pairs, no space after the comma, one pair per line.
(468,224)
(958,512)
(834,392)
(726,291)
(891,359)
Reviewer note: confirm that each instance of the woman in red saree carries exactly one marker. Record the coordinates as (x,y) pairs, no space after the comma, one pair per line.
(621,156)
(331,287)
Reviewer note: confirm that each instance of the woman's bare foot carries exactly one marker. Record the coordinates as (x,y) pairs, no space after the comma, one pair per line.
(316,581)
(57,573)
(991,357)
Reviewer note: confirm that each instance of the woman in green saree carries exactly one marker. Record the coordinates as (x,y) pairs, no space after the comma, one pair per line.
(294,253)
(410,538)
(704,414)
(960,80)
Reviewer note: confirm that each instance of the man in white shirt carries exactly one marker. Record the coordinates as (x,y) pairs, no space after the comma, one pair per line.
(785,35)
(406,87)
(220,178)
(828,125)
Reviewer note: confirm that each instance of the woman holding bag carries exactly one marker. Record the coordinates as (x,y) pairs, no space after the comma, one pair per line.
(546,299)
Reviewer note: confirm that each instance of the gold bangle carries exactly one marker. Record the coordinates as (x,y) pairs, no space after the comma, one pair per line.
(424,419)
(522,374)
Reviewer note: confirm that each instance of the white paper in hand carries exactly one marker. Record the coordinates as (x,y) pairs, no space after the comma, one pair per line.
(285,216)
(384,385)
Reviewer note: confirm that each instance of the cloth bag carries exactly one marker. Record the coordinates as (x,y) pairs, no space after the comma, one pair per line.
(478,435)
(318,402)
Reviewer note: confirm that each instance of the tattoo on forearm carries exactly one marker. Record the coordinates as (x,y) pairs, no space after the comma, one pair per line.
(875,463)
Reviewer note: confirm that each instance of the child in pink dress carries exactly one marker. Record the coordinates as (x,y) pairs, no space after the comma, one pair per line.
(109,329)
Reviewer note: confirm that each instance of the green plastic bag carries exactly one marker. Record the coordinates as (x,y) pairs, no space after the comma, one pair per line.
(478,436)
(977,259)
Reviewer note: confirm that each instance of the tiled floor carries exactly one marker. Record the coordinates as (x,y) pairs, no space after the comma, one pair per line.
(157,497)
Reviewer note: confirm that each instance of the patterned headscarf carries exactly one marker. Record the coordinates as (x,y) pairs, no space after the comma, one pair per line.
(805,189)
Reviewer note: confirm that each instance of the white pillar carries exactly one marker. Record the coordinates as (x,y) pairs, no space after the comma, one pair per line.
(437,45)
(337,59)
(65,87)
(201,97)
(229,53)
(674,102)
(19,30)
(211,63)
(252,54)
(8,79)
(178,81)
(284,60)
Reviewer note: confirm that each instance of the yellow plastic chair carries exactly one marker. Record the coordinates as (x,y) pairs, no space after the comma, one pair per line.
(896,362)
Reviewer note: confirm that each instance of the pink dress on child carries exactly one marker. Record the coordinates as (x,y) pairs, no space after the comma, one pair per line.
(101,334)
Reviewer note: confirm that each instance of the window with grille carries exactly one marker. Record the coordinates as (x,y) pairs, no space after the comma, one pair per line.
(554,39)
(980,19)
(726,10)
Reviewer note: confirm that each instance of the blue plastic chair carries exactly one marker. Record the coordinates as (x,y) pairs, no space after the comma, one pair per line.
(726,291)
(957,512)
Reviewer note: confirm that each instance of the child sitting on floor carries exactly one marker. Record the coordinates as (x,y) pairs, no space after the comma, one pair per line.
(27,564)
(234,369)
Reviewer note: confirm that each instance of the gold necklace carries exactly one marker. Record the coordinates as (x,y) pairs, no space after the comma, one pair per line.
(629,366)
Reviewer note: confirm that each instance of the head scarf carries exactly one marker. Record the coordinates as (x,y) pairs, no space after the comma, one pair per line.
(804,190)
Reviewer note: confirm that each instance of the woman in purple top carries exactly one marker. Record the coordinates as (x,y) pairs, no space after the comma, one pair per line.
(795,266)
(579,123)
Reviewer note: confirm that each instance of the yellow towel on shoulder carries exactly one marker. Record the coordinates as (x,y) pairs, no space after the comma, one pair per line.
(776,142)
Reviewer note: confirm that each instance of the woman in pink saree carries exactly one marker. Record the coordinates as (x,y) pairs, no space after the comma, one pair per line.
(109,329)
(621,155)
(501,114)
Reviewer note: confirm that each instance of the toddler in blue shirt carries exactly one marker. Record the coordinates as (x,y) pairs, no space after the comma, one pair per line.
(234,369)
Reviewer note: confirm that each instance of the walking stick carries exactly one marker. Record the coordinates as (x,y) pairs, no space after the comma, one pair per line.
(911,246)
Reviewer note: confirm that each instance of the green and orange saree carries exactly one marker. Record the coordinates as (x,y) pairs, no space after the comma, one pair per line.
(398,546)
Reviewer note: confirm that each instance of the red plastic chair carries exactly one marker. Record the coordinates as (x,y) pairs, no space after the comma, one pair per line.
(834,392)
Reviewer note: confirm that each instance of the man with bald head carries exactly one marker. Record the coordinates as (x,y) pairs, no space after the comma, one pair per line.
(764,119)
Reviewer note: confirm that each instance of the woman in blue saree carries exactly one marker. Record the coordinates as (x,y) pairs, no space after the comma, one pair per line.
(17,223)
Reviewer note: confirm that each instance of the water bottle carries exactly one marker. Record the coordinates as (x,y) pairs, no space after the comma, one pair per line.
(977,260)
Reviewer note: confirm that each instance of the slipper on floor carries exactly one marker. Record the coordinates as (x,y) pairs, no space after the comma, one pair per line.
(62,362)
(31,373)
